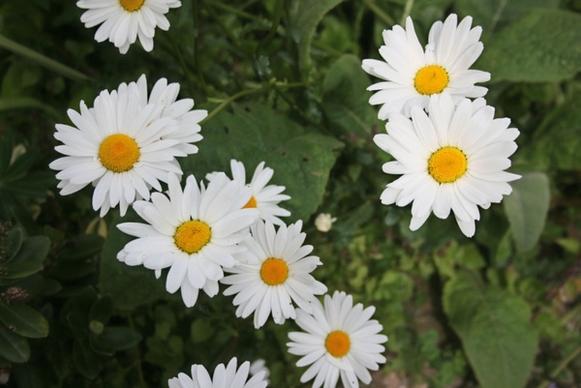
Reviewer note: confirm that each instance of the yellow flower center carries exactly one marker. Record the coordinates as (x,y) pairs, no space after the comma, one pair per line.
(338,343)
(274,271)
(119,152)
(251,204)
(447,164)
(431,79)
(191,236)
(131,5)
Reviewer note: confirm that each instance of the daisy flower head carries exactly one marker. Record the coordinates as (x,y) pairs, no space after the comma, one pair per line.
(264,197)
(338,341)
(194,232)
(410,74)
(274,274)
(119,146)
(229,376)
(451,159)
(122,22)
(187,130)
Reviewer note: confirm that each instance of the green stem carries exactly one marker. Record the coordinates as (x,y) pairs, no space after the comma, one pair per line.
(379,12)
(235,11)
(565,362)
(409,4)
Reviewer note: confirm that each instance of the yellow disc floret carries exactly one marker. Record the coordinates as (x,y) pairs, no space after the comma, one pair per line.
(447,165)
(131,5)
(119,152)
(274,271)
(431,79)
(251,204)
(337,343)
(191,236)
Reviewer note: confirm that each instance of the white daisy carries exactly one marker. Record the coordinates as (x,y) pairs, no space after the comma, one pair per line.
(411,74)
(265,197)
(452,159)
(194,232)
(119,147)
(123,21)
(259,366)
(187,129)
(229,376)
(274,271)
(339,341)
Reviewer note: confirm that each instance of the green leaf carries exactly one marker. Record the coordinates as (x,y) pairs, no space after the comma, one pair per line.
(493,14)
(13,347)
(344,98)
(305,15)
(563,123)
(115,339)
(301,158)
(42,60)
(129,287)
(541,47)
(29,259)
(24,320)
(13,243)
(499,341)
(526,209)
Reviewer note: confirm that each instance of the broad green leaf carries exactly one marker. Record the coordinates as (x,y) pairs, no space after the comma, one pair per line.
(493,325)
(541,47)
(344,97)
(115,339)
(301,157)
(29,259)
(526,209)
(41,59)
(24,320)
(564,124)
(128,286)
(13,347)
(12,243)
(494,14)
(305,16)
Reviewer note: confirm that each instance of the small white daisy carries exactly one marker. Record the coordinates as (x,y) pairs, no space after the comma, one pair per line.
(339,341)
(265,197)
(123,21)
(411,74)
(229,376)
(452,159)
(187,129)
(274,271)
(194,232)
(119,147)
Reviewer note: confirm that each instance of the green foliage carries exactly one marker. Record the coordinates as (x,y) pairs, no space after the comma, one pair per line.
(495,331)
(540,47)
(282,83)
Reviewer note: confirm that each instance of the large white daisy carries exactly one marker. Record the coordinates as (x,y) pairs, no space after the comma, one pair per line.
(123,21)
(229,376)
(119,146)
(411,74)
(339,341)
(274,271)
(452,159)
(187,130)
(195,233)
(264,197)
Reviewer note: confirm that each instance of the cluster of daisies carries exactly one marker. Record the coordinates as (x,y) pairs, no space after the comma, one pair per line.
(446,144)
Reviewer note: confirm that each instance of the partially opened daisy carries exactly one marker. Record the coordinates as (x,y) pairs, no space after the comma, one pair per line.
(122,22)
(264,197)
(194,232)
(451,159)
(339,341)
(410,74)
(274,274)
(119,146)
(230,376)
(187,130)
